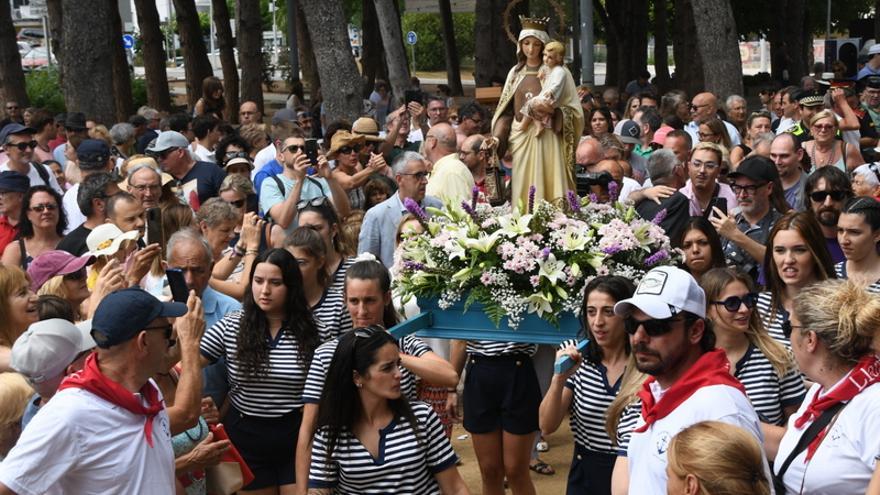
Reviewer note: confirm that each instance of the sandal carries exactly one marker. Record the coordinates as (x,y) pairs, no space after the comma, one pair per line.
(542,446)
(542,467)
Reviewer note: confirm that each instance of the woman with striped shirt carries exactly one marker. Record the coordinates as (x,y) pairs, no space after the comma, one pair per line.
(797,256)
(588,388)
(268,346)
(764,366)
(326,303)
(320,215)
(858,232)
(368,300)
(378,442)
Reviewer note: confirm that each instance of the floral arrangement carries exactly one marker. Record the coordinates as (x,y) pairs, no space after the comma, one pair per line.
(516,262)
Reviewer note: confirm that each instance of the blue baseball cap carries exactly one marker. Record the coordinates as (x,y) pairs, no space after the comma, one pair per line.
(13,181)
(124,313)
(13,129)
(93,152)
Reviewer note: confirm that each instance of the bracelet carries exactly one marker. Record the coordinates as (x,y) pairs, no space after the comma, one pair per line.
(452,390)
(252,251)
(237,250)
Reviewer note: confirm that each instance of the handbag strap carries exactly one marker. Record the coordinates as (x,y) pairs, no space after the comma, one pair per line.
(811,432)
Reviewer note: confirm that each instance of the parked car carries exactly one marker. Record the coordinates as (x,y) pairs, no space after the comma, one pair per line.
(35,35)
(37,58)
(23,48)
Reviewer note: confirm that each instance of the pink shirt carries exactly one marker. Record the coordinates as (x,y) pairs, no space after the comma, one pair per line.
(724,191)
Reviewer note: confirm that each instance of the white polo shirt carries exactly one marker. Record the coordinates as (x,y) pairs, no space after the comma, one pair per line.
(647,450)
(845,460)
(80,443)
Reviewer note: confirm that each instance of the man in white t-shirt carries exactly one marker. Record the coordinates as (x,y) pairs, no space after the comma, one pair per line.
(107,430)
(18,143)
(689,381)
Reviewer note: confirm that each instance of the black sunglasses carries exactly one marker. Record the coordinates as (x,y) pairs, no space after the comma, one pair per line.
(348,149)
(238,203)
(294,148)
(45,206)
(787,327)
(23,146)
(320,200)
(234,154)
(169,329)
(77,275)
(654,328)
(819,196)
(733,303)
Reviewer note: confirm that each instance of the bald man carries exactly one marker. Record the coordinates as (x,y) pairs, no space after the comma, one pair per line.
(589,152)
(450,179)
(613,168)
(704,107)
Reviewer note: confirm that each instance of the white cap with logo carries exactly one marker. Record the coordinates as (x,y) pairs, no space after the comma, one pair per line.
(664,292)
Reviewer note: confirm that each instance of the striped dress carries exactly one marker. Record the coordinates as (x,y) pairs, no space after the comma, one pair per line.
(591,396)
(406,463)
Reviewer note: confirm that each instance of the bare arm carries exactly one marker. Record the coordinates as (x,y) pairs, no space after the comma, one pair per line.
(558,398)
(850,122)
(11,255)
(873,487)
(338,193)
(5,359)
(431,368)
(736,155)
(726,227)
(4,490)
(772,436)
(184,414)
(853,157)
(304,447)
(391,137)
(353,181)
(451,482)
(285,211)
(620,476)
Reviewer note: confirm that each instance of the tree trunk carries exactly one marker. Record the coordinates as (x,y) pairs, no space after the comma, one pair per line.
(226,46)
(121,69)
(453,71)
(661,62)
(613,45)
(250,50)
(717,41)
(153,51)
(688,64)
(12,86)
(55,11)
(306,53)
(372,59)
(195,56)
(789,41)
(876,20)
(494,53)
(389,25)
(340,80)
(88,78)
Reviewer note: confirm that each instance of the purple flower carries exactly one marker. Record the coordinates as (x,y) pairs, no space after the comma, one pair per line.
(613,191)
(532,191)
(545,253)
(475,195)
(656,257)
(413,207)
(612,250)
(660,216)
(413,266)
(594,198)
(469,209)
(574,202)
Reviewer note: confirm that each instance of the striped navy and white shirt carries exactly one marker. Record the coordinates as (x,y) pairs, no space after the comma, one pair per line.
(840,269)
(314,385)
(767,392)
(629,419)
(773,322)
(338,277)
(591,396)
(276,393)
(406,464)
(491,348)
(331,315)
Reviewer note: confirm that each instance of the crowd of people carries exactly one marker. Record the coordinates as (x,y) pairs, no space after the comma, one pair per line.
(749,368)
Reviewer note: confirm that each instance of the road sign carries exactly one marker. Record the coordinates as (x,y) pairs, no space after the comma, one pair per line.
(37,8)
(128,41)
(412,38)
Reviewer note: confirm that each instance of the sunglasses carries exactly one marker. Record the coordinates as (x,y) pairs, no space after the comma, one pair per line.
(23,146)
(235,154)
(733,303)
(77,275)
(168,331)
(654,328)
(42,207)
(295,148)
(819,196)
(238,203)
(320,200)
(348,149)
(787,327)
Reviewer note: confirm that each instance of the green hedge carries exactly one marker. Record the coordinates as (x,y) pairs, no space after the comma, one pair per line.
(430,52)
(44,90)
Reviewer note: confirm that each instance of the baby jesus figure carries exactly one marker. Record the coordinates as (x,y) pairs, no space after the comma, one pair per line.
(552,75)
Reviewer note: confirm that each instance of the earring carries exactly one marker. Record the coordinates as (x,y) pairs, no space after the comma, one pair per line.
(359,385)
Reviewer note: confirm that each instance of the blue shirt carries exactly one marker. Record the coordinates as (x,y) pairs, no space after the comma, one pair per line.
(268,170)
(379,229)
(271,195)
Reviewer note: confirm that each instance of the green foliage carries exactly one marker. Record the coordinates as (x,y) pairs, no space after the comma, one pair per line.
(44,90)
(139,91)
(430,52)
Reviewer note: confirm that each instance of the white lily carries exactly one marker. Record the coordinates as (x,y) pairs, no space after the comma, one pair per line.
(484,243)
(551,269)
(454,249)
(514,225)
(539,303)
(574,240)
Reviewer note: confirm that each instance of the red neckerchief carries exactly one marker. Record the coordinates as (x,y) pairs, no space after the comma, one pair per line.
(864,374)
(712,368)
(91,379)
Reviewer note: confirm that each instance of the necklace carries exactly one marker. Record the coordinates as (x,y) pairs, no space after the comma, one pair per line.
(816,163)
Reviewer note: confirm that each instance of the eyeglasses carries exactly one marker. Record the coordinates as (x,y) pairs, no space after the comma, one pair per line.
(787,327)
(295,148)
(694,108)
(169,329)
(733,303)
(824,127)
(238,203)
(345,150)
(77,275)
(707,165)
(750,190)
(147,187)
(305,203)
(819,196)
(42,207)
(654,328)
(23,146)
(418,175)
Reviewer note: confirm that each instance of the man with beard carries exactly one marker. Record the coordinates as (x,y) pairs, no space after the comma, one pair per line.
(689,381)
(745,234)
(828,189)
(787,153)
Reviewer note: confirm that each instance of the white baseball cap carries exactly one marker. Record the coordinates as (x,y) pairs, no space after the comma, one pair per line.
(875,49)
(47,347)
(664,292)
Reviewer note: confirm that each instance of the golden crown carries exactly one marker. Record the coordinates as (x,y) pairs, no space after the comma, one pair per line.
(538,23)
